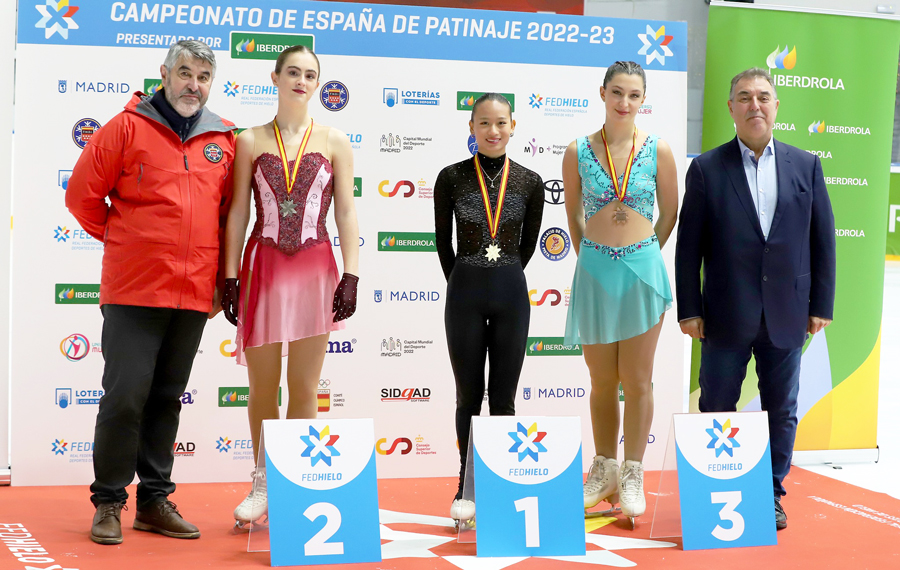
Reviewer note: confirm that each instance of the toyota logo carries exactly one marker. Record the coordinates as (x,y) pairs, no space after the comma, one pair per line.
(554,192)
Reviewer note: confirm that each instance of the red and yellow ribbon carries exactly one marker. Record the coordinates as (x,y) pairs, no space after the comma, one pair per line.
(620,190)
(493,220)
(291,177)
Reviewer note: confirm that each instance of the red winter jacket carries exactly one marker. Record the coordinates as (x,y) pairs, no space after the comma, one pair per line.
(168,202)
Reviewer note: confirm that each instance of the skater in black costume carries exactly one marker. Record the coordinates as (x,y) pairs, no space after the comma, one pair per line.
(497,205)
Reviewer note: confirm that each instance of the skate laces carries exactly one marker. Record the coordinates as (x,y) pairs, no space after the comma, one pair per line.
(632,481)
(598,476)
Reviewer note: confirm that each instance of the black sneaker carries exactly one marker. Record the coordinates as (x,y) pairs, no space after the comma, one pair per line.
(780,517)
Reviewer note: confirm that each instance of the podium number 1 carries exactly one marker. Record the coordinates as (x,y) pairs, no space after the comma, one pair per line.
(532,526)
(731,499)
(318,545)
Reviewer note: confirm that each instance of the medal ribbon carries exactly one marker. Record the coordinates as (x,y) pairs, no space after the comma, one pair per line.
(493,221)
(620,192)
(291,177)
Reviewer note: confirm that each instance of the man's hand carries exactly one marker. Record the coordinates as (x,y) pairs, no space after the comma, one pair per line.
(216,304)
(693,327)
(816,324)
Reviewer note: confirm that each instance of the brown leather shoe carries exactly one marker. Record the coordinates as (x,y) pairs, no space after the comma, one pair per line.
(107,525)
(163,517)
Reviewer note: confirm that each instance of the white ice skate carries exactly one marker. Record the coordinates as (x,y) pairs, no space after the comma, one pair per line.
(254,509)
(631,489)
(462,511)
(601,485)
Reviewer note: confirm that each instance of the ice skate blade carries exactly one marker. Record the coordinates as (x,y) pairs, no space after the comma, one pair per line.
(240,527)
(632,522)
(611,512)
(462,526)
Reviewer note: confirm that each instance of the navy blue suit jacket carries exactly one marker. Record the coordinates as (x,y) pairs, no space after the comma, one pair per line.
(787,278)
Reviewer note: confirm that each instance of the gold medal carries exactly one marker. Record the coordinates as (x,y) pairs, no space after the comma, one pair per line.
(493,250)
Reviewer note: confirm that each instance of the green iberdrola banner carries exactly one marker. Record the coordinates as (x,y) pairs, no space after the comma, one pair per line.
(892,251)
(835,79)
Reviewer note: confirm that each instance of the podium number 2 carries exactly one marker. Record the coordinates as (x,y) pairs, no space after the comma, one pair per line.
(318,545)
(731,499)
(532,526)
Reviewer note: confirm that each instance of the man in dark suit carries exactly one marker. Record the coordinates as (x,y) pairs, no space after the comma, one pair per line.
(756,217)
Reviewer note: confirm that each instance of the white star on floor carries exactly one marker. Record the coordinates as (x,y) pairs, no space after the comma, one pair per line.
(419,545)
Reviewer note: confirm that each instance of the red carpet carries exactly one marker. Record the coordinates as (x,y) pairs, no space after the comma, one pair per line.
(830,525)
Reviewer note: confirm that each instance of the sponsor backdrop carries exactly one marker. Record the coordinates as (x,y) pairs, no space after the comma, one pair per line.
(7,69)
(406,118)
(819,83)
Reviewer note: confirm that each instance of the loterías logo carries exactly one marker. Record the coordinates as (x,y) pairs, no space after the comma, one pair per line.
(56,17)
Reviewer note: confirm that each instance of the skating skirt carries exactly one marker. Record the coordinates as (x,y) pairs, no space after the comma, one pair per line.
(285,297)
(617,292)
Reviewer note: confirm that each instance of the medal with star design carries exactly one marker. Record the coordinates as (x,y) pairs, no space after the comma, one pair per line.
(288,206)
(621,214)
(492,251)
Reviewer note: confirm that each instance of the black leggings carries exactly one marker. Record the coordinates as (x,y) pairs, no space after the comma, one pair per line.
(487,312)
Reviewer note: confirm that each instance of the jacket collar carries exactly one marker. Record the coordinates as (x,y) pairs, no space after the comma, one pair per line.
(208,121)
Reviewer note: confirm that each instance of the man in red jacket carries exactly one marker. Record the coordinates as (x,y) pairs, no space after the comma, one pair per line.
(164,165)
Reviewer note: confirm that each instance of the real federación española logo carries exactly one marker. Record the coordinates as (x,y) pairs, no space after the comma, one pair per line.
(722,438)
(527,442)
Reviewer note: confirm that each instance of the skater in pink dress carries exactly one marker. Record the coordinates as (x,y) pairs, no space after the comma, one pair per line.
(289,295)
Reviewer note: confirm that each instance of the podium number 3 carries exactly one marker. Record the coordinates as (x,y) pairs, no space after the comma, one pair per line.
(318,544)
(532,526)
(731,499)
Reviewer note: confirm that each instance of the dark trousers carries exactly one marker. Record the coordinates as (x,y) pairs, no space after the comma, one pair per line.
(148,352)
(486,315)
(722,372)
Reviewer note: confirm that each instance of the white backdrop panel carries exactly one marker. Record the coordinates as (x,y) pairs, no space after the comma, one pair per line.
(556,100)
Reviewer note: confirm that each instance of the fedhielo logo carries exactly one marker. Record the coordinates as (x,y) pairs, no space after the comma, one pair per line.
(555,244)
(409,188)
(335,95)
(535,100)
(656,45)
(782,59)
(61,234)
(75,347)
(722,438)
(404,441)
(554,192)
(527,442)
(56,18)
(60,446)
(552,106)
(320,446)
(549,293)
(231,89)
(223,445)
(83,131)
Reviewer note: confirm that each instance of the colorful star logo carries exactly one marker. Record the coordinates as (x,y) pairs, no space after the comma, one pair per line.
(535,100)
(527,442)
(723,438)
(656,45)
(320,446)
(56,18)
(59,446)
(223,444)
(231,88)
(61,233)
